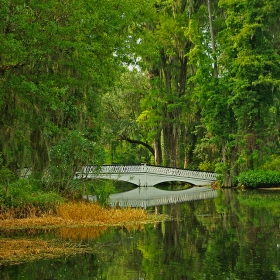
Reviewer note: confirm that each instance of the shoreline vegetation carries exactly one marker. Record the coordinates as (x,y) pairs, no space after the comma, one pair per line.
(80,214)
(25,206)
(72,220)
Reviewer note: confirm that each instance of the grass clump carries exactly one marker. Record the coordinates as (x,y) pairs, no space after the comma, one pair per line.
(272,163)
(87,213)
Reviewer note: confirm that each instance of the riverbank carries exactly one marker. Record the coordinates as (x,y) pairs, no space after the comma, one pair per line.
(70,220)
(270,189)
(82,214)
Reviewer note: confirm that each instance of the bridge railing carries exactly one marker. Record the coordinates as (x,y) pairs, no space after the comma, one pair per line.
(181,172)
(118,169)
(106,169)
(143,168)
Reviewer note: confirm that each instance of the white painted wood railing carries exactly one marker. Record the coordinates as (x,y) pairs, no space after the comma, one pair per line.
(151,169)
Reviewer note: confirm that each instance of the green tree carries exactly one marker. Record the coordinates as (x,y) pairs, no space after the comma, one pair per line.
(71,153)
(238,106)
(252,77)
(127,140)
(168,111)
(56,60)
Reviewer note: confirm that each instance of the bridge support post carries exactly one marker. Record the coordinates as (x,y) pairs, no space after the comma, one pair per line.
(145,172)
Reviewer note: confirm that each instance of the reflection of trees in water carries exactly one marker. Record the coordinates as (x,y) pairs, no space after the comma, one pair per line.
(177,256)
(229,237)
(246,247)
(216,238)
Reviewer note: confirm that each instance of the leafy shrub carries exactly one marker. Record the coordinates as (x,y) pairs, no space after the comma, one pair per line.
(102,189)
(206,166)
(273,163)
(259,179)
(67,157)
(22,195)
(6,177)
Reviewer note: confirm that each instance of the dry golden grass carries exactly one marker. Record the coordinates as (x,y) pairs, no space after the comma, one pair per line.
(36,222)
(83,214)
(87,213)
(21,250)
(74,222)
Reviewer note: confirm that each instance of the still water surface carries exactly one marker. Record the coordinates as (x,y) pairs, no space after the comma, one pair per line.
(233,236)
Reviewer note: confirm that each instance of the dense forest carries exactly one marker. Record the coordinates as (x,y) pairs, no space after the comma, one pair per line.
(181,83)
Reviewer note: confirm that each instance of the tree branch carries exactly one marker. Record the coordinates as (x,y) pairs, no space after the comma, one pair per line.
(146,145)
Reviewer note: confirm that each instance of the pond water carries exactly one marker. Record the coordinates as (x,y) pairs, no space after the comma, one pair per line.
(233,236)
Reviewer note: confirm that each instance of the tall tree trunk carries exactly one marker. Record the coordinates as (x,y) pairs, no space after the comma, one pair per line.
(229,162)
(166,144)
(158,149)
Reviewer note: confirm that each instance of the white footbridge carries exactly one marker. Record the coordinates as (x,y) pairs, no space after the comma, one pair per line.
(146,175)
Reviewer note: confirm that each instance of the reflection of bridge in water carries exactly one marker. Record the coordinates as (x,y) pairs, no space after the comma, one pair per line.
(146,176)
(149,196)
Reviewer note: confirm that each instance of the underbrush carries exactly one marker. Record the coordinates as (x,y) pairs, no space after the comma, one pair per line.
(25,204)
(22,199)
(259,179)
